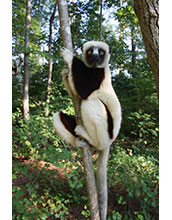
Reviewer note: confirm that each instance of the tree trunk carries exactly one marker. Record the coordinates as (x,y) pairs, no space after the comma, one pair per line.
(121,23)
(87,159)
(147,12)
(39,22)
(121,36)
(64,24)
(26,62)
(100,20)
(50,62)
(133,49)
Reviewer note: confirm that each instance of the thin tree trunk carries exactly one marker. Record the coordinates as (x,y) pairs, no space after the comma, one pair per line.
(39,9)
(100,20)
(121,23)
(147,12)
(64,24)
(121,36)
(17,70)
(133,49)
(50,62)
(87,158)
(26,62)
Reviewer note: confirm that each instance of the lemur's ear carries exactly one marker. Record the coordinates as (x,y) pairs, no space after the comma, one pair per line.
(82,48)
(109,50)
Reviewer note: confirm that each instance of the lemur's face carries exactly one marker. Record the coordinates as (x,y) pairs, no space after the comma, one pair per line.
(96,54)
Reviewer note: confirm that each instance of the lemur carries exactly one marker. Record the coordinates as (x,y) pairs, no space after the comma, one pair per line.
(90,79)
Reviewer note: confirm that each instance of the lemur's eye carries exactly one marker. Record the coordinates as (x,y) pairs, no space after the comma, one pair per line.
(102,52)
(89,52)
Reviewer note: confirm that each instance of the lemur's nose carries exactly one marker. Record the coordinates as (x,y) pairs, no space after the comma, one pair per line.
(95,56)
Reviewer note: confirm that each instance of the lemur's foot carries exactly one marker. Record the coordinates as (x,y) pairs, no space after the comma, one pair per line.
(65,72)
(80,142)
(81,132)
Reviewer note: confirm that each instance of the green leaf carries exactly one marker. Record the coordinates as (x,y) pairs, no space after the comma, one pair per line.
(28,143)
(14,176)
(137,193)
(140,217)
(43,216)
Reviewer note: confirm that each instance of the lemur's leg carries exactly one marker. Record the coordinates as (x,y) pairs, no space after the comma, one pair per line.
(65,127)
(95,122)
(101,176)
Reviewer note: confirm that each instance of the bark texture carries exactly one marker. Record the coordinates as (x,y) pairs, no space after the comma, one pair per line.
(87,157)
(100,20)
(64,24)
(26,62)
(147,12)
(133,48)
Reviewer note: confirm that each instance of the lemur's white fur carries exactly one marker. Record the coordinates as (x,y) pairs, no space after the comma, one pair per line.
(62,131)
(94,117)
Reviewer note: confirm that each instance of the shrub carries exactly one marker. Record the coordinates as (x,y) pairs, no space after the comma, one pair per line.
(134,179)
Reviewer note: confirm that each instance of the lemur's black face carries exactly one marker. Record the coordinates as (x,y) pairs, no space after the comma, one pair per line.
(95,56)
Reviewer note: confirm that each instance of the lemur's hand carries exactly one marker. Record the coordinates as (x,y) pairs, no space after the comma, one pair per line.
(65,73)
(67,56)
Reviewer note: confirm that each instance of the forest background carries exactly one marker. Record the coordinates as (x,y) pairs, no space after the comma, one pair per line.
(39,190)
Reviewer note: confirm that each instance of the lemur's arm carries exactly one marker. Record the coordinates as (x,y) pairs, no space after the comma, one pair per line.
(67,56)
(65,75)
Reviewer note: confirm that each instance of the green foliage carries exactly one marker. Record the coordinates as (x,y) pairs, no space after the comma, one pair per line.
(86,212)
(134,179)
(115,216)
(36,139)
(146,128)
(40,193)
(136,94)
(37,201)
